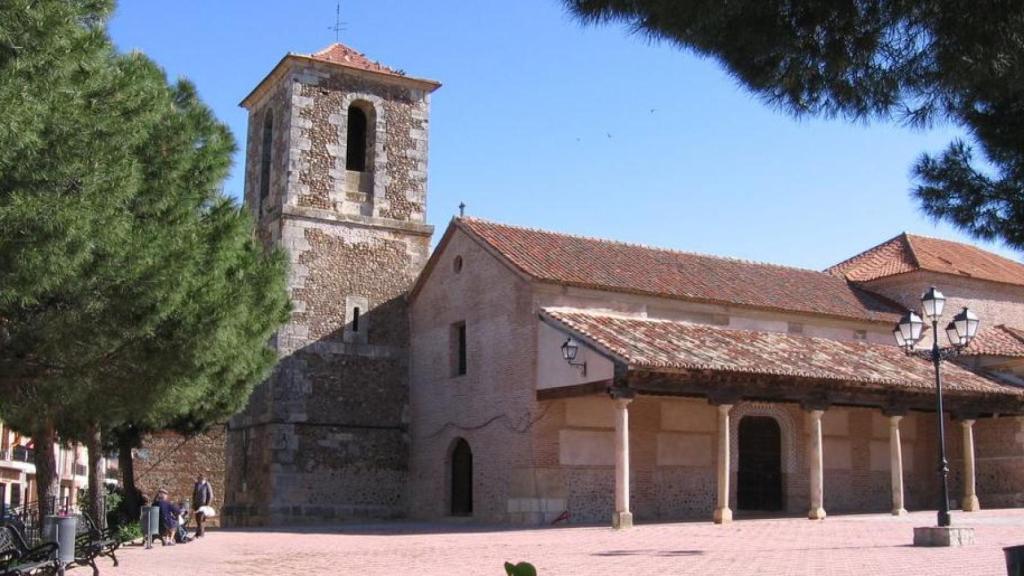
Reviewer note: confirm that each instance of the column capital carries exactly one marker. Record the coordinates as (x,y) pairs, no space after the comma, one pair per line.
(967,422)
(815,405)
(724,408)
(964,416)
(621,393)
(720,397)
(894,420)
(894,410)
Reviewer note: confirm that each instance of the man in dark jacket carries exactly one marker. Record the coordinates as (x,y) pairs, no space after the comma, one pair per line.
(202,495)
(168,517)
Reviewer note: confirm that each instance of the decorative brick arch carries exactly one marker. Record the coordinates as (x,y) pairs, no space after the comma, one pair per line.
(787,428)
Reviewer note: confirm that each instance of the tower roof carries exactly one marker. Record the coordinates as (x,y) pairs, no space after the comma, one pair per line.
(340,55)
(910,253)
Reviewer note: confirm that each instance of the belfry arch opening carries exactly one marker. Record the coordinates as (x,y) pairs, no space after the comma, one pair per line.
(461,478)
(266,156)
(759,474)
(358,145)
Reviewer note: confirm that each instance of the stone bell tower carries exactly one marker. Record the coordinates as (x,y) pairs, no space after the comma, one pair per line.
(336,176)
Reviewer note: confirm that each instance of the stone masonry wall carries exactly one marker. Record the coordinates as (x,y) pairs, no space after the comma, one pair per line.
(325,437)
(171,461)
(397,143)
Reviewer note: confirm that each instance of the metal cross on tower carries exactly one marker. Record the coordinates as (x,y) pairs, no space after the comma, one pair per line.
(338,24)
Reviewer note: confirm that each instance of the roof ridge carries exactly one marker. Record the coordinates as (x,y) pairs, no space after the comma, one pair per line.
(861,254)
(639,245)
(910,246)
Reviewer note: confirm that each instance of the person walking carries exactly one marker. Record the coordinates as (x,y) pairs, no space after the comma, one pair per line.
(202,497)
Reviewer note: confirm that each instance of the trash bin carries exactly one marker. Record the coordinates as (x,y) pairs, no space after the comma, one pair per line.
(1014,560)
(62,531)
(150,521)
(150,524)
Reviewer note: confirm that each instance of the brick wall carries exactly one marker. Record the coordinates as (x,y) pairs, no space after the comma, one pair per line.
(171,461)
(994,303)
(492,406)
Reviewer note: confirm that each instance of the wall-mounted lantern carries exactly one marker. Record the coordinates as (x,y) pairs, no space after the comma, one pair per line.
(569,350)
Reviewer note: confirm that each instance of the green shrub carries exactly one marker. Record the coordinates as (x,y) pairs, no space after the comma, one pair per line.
(128,532)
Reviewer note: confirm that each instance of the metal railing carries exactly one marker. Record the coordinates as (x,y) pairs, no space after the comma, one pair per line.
(22,454)
(26,518)
(17,454)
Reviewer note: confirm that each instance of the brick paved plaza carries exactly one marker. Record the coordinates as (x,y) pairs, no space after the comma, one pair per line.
(841,545)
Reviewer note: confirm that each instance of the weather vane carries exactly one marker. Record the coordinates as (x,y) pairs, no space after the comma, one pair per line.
(338,24)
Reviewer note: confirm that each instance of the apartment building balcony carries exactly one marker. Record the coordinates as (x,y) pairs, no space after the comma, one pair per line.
(18,458)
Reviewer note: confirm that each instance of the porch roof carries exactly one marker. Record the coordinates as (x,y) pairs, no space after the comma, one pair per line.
(665,346)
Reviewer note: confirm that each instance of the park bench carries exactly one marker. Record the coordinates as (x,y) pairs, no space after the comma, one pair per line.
(92,543)
(17,559)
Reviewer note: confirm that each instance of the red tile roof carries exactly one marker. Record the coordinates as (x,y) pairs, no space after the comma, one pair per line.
(908,253)
(1001,340)
(338,53)
(666,345)
(616,266)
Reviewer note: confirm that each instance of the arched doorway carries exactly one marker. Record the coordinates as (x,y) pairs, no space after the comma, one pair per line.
(759,475)
(462,479)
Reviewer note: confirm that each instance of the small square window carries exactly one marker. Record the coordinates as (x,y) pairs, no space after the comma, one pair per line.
(795,328)
(860,334)
(458,349)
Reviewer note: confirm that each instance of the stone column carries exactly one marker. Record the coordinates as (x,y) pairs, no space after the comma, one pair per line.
(622,518)
(817,510)
(723,513)
(896,465)
(970,502)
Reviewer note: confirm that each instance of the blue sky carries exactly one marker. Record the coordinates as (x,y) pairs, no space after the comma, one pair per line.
(590,130)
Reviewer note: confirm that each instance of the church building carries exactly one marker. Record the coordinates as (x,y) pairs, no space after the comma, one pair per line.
(516,375)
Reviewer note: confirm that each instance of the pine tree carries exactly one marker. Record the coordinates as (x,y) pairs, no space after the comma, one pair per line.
(914,61)
(131,289)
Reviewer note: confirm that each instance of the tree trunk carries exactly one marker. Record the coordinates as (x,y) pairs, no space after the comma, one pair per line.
(132,496)
(97,476)
(44,437)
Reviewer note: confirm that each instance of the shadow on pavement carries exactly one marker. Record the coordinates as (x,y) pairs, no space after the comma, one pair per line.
(662,553)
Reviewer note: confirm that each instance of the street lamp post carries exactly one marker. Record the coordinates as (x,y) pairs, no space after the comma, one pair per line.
(960,332)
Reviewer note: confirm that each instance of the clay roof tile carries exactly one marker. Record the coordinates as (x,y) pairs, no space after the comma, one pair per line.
(338,53)
(620,267)
(669,345)
(909,253)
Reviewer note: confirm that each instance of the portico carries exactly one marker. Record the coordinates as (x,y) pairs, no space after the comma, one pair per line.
(598,381)
(840,409)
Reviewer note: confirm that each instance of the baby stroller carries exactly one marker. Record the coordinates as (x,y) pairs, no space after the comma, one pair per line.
(182,535)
